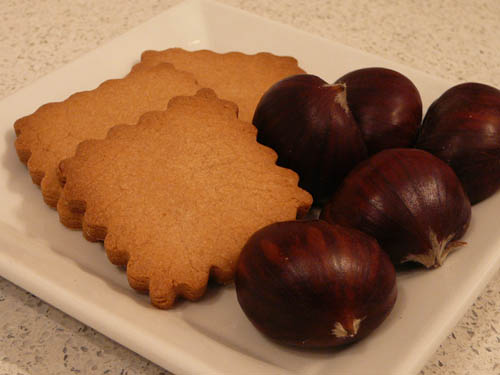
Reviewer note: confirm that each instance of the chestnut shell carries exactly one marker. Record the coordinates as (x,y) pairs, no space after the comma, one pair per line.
(307,122)
(386,105)
(409,200)
(311,284)
(462,127)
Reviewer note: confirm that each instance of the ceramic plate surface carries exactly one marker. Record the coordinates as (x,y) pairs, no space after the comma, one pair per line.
(213,335)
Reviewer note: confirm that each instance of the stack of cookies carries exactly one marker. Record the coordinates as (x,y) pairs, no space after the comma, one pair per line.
(164,167)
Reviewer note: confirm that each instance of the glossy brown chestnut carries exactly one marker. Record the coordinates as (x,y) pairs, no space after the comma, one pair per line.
(307,122)
(314,285)
(462,127)
(386,105)
(409,200)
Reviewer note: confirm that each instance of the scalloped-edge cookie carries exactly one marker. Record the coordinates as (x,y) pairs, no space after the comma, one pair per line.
(234,76)
(176,196)
(52,133)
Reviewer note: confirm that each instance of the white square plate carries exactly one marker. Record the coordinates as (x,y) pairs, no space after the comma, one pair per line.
(213,335)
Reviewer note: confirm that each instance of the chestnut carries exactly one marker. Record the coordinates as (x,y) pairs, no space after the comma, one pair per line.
(308,123)
(409,200)
(314,285)
(462,127)
(386,105)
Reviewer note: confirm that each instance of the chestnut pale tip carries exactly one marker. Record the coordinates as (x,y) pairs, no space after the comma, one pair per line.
(438,252)
(341,97)
(339,330)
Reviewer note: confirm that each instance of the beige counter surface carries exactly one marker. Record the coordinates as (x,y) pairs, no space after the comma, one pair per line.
(456,40)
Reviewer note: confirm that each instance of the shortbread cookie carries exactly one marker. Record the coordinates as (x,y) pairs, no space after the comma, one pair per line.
(52,133)
(234,76)
(176,196)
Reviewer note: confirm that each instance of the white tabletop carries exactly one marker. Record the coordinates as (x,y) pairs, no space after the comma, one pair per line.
(455,39)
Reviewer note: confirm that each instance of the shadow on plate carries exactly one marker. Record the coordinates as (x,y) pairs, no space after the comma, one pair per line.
(34,219)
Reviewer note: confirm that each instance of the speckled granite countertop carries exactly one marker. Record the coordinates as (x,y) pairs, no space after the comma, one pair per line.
(454,39)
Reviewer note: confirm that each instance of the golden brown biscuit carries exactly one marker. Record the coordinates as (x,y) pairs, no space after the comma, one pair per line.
(52,133)
(176,196)
(234,76)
